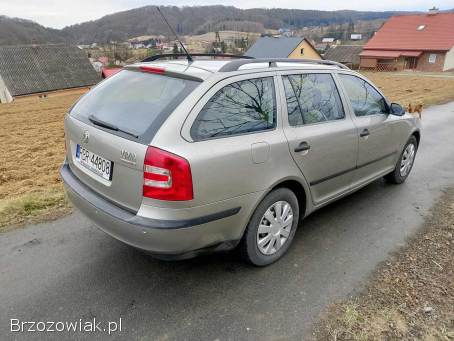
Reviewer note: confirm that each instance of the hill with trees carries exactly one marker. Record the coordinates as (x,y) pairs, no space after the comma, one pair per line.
(186,20)
(201,19)
(20,31)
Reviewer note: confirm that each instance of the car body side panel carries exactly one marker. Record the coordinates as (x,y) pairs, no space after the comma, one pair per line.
(327,166)
(223,168)
(379,151)
(403,127)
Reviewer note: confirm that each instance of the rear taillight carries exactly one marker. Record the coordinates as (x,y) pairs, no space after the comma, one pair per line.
(166,176)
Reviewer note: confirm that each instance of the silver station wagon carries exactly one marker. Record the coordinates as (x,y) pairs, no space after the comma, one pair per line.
(179,158)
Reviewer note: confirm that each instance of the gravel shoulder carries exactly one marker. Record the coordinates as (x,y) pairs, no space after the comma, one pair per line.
(410,296)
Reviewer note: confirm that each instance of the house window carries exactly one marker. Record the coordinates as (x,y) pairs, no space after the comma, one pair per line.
(302,51)
(432,58)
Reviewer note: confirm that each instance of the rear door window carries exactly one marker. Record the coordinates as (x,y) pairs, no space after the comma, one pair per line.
(312,98)
(238,108)
(134,102)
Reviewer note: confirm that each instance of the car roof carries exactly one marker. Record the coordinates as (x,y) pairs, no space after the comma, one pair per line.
(202,69)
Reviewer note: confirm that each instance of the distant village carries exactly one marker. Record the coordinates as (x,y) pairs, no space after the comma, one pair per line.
(117,54)
(416,43)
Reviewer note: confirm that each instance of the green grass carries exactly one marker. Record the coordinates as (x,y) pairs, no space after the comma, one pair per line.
(27,207)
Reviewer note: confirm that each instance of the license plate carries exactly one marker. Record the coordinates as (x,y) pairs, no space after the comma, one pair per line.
(95,163)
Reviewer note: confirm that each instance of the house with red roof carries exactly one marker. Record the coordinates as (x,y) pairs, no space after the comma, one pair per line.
(412,42)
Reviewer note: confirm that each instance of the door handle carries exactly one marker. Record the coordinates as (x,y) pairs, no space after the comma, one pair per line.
(364,133)
(303,146)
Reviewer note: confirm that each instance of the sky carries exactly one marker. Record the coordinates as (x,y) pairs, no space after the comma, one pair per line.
(61,13)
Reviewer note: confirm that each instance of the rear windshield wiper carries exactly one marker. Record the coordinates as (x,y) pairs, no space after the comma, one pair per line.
(109,126)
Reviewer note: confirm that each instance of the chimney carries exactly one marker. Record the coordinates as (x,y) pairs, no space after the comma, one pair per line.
(433,11)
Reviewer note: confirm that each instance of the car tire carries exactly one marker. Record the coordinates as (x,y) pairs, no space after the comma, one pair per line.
(270,232)
(405,163)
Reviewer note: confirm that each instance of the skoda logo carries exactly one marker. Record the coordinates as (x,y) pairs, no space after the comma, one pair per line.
(85,136)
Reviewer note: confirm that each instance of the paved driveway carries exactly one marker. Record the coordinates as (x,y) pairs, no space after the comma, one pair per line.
(68,270)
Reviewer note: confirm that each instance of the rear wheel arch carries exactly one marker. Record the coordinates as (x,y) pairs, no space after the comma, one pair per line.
(298,189)
(292,184)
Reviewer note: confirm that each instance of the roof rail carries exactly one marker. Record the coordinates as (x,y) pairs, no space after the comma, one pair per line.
(179,55)
(234,65)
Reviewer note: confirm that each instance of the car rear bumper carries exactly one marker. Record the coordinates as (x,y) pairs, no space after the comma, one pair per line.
(169,239)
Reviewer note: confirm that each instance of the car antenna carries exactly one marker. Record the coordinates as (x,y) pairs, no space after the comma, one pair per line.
(188,56)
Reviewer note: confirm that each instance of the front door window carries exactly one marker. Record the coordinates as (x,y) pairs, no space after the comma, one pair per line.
(364,99)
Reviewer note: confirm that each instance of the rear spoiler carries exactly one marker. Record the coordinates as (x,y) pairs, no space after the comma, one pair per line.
(159,70)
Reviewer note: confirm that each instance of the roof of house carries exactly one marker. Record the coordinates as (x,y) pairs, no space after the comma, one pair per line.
(344,53)
(435,33)
(28,69)
(269,47)
(321,46)
(389,54)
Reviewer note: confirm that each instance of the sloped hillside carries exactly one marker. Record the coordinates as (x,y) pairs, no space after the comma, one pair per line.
(201,19)
(186,20)
(15,31)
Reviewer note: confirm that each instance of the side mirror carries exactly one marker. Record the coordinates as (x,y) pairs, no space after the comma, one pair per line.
(396,109)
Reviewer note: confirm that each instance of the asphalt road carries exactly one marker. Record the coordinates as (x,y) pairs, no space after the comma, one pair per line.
(68,270)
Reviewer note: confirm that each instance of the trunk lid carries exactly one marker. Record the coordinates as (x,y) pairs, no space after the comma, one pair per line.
(125,186)
(111,126)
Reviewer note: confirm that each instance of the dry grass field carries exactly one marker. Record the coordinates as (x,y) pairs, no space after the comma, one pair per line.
(31,151)
(416,88)
(32,147)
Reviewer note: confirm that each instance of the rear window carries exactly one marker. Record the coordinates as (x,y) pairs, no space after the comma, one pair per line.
(134,102)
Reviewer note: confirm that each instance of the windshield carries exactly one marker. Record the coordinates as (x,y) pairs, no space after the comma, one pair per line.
(134,102)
